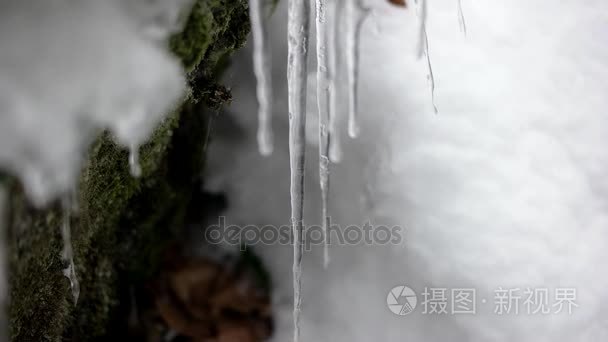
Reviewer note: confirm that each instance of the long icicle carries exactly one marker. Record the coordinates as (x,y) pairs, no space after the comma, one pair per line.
(423,50)
(335,150)
(355,17)
(298,33)
(323,100)
(262,69)
(67,255)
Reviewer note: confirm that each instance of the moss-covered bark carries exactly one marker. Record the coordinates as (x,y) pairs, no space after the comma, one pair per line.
(122,221)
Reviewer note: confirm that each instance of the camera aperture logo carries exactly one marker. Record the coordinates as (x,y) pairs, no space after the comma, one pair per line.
(401,300)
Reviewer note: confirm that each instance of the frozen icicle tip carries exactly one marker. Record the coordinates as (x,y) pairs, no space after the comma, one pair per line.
(265,144)
(135,169)
(67,254)
(266,151)
(134,165)
(70,273)
(335,153)
(354,130)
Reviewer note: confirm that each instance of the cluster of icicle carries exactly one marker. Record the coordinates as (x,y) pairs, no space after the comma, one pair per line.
(299,15)
(329,148)
(328,13)
(69,70)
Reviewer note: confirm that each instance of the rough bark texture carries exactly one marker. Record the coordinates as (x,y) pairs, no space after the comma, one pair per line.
(123,222)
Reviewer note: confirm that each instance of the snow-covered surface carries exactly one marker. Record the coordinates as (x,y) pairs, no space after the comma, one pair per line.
(504,187)
(70,69)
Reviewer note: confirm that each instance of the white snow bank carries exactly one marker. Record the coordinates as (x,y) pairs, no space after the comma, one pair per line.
(70,69)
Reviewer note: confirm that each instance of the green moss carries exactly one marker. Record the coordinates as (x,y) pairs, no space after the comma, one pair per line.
(123,222)
(208,21)
(233,14)
(196,37)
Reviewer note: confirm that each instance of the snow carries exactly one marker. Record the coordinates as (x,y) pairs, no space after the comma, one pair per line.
(505,187)
(298,35)
(60,86)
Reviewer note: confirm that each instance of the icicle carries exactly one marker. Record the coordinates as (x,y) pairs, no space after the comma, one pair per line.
(461,20)
(430,77)
(298,32)
(323,100)
(67,255)
(335,150)
(355,15)
(423,50)
(324,180)
(134,165)
(261,66)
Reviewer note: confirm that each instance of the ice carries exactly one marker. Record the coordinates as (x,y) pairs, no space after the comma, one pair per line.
(67,253)
(461,20)
(423,50)
(431,76)
(69,71)
(262,69)
(355,15)
(333,46)
(134,165)
(325,219)
(324,108)
(298,34)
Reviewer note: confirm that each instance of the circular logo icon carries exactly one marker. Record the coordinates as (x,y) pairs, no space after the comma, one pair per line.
(401,300)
